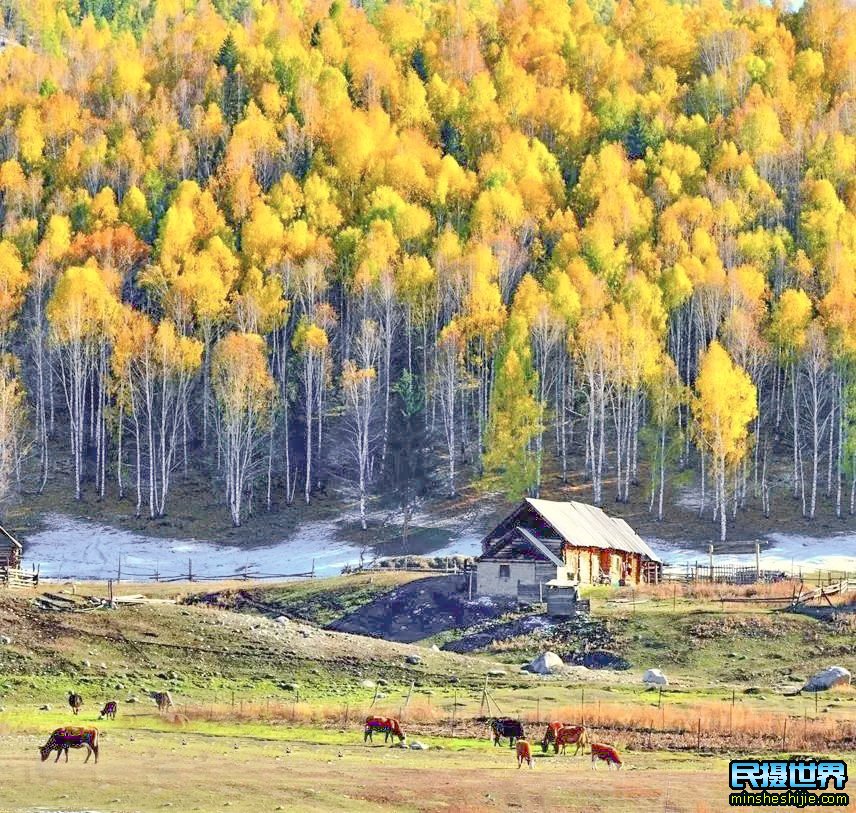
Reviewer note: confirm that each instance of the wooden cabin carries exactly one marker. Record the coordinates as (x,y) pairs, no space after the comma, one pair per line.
(543,541)
(10,550)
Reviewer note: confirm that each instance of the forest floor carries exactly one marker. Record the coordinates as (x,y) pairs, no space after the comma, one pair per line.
(269,702)
(196,512)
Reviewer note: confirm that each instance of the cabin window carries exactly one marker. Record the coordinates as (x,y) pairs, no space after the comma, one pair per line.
(505,571)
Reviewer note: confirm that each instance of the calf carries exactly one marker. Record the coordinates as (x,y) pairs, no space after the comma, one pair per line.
(109,710)
(75,701)
(524,754)
(607,753)
(571,735)
(71,737)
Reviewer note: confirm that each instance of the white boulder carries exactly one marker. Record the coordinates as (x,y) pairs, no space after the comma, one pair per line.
(418,746)
(827,678)
(654,677)
(546,664)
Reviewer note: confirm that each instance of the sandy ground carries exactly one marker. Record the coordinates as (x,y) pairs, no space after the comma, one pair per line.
(200,773)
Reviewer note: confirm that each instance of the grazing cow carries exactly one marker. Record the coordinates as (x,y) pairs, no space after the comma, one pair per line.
(524,753)
(550,735)
(506,727)
(75,701)
(109,710)
(163,700)
(571,735)
(388,725)
(71,737)
(607,753)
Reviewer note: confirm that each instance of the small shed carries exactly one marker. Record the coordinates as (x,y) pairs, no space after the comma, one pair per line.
(561,543)
(10,550)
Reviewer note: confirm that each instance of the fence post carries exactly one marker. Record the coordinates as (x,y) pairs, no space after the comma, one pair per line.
(758,562)
(698,735)
(190,570)
(454,708)
(784,734)
(583,705)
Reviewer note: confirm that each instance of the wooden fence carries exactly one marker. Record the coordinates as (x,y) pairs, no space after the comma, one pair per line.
(11,577)
(246,573)
(721,574)
(823,593)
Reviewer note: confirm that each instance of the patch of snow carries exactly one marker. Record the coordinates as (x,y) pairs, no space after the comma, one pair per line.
(791,553)
(70,548)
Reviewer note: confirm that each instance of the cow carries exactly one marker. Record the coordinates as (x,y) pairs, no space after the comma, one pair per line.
(550,735)
(571,735)
(163,700)
(71,737)
(388,725)
(109,710)
(506,727)
(524,754)
(75,701)
(607,753)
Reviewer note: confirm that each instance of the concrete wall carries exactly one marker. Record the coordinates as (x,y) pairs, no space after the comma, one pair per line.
(531,574)
(489,582)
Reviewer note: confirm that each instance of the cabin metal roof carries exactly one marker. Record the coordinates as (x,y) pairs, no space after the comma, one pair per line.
(585,526)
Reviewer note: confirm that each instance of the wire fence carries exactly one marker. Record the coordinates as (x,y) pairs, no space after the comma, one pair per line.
(246,573)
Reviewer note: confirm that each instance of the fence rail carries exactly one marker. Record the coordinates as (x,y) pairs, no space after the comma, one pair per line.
(824,592)
(14,577)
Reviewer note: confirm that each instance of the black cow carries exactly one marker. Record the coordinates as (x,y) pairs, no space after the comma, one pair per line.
(506,727)
(75,701)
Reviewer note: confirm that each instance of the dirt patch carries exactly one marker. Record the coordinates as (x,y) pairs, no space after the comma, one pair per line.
(599,659)
(763,628)
(420,609)
(490,635)
(578,641)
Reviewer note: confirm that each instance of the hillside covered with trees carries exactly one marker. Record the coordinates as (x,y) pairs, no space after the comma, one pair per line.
(406,247)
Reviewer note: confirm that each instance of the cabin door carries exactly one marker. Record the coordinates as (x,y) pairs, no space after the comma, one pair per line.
(606,563)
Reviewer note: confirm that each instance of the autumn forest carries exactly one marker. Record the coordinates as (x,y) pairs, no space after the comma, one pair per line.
(394,250)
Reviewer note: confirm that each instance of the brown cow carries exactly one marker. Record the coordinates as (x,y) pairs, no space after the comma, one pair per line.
(109,710)
(75,701)
(571,735)
(607,753)
(524,754)
(388,725)
(71,737)
(550,734)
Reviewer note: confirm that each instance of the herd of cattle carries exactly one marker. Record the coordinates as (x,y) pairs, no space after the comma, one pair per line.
(559,735)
